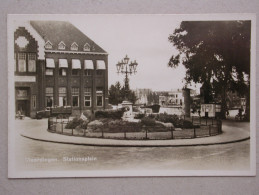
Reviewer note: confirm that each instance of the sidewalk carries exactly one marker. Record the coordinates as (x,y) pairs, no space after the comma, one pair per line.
(232,132)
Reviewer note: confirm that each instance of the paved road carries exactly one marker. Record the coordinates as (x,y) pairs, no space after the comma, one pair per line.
(233,156)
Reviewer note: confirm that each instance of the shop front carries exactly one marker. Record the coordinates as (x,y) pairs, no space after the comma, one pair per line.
(23,100)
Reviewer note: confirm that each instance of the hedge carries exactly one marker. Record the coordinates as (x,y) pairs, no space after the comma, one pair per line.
(114,114)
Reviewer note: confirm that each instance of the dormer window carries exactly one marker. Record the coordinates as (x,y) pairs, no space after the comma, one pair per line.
(61,45)
(48,45)
(74,47)
(87,47)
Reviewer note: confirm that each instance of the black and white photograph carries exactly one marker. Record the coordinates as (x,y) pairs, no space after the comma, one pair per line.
(117,95)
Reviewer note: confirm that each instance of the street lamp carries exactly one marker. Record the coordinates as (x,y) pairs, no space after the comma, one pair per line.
(124,67)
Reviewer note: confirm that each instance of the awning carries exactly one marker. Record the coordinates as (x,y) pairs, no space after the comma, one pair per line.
(76,64)
(89,64)
(50,63)
(100,65)
(63,63)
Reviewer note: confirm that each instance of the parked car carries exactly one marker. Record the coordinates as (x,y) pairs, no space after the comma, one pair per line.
(58,111)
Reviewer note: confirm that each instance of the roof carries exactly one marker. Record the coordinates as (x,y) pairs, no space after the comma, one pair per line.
(62,31)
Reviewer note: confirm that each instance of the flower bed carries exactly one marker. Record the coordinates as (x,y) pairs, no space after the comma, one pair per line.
(176,121)
(160,126)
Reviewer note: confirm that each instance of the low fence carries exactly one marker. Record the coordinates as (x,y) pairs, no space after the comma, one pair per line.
(203,127)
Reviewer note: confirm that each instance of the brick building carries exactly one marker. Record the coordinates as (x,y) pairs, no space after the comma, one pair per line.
(56,64)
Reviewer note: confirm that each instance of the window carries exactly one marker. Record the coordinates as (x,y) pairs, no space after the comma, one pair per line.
(49,71)
(76,66)
(62,92)
(100,65)
(88,92)
(99,90)
(21,62)
(50,65)
(99,100)
(75,97)
(22,94)
(75,72)
(22,42)
(87,47)
(34,101)
(99,72)
(49,101)
(88,67)
(62,72)
(32,62)
(99,96)
(74,46)
(49,97)
(88,72)
(61,45)
(48,45)
(75,101)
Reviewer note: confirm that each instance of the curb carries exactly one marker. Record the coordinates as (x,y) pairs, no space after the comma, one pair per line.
(134,145)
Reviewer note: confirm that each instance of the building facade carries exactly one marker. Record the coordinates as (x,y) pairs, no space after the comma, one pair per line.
(56,64)
(175,102)
(172,98)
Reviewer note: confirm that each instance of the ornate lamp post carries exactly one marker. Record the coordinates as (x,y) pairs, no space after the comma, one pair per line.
(124,67)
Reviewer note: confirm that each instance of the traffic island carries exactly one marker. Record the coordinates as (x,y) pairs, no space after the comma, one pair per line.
(230,134)
(146,128)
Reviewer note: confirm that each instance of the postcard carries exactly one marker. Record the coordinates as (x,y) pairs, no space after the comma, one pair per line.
(116,95)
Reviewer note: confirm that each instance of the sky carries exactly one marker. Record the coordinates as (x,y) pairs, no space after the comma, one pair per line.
(143,38)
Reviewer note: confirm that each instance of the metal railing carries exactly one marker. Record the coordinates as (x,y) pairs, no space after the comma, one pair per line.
(202,127)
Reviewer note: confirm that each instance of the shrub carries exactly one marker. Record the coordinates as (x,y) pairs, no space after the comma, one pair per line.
(165,118)
(132,127)
(115,126)
(178,123)
(114,114)
(88,114)
(115,123)
(139,116)
(77,122)
(152,116)
(186,124)
(148,121)
(96,124)
(84,124)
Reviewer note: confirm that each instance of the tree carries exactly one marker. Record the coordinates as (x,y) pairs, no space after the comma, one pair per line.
(216,54)
(152,98)
(117,94)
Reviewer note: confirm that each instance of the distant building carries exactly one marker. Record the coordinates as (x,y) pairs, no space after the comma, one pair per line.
(55,64)
(172,98)
(176,101)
